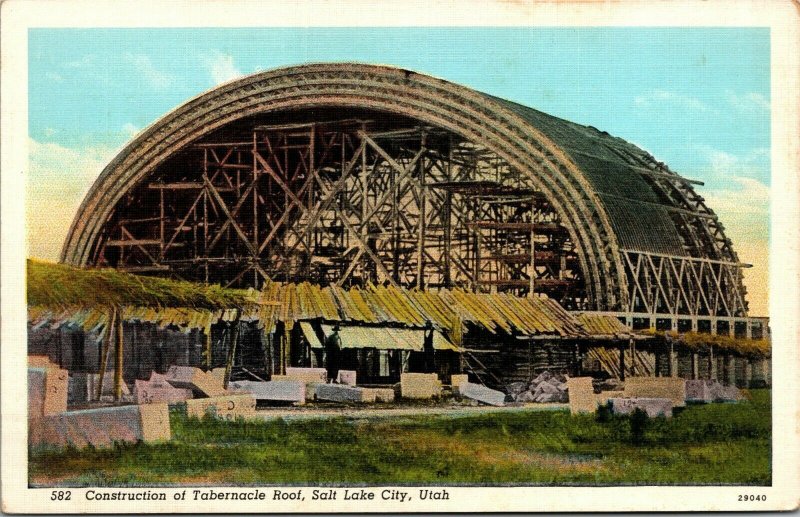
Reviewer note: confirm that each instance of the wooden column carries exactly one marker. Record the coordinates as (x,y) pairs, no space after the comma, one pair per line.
(622,362)
(232,349)
(106,346)
(118,356)
(673,361)
(208,350)
(712,364)
(695,366)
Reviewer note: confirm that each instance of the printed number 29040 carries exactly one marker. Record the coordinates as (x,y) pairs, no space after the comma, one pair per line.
(752,497)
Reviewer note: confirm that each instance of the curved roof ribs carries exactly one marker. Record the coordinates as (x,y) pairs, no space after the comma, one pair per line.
(359,173)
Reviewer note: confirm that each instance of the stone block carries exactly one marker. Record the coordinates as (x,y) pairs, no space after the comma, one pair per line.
(273,391)
(347,377)
(420,385)
(698,390)
(307,374)
(581,395)
(226,407)
(158,390)
(482,394)
(311,387)
(722,393)
(48,389)
(103,426)
(378,394)
(672,388)
(93,381)
(456,380)
(41,361)
(195,379)
(652,406)
(342,393)
(78,388)
(604,396)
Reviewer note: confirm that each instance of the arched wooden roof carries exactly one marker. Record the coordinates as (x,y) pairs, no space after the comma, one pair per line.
(610,194)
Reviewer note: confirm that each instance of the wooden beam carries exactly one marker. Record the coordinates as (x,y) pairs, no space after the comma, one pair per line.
(118,356)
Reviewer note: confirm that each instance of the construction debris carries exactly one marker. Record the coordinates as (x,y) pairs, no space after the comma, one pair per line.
(103,426)
(546,387)
(482,394)
(420,385)
(204,384)
(227,407)
(652,406)
(274,391)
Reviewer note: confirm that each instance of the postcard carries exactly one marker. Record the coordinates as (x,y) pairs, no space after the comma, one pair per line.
(366,257)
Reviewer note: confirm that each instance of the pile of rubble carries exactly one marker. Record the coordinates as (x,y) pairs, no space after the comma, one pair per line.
(546,387)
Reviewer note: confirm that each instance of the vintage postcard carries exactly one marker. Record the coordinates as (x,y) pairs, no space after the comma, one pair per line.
(378,257)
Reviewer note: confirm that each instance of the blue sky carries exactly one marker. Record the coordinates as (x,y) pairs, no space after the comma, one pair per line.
(697,99)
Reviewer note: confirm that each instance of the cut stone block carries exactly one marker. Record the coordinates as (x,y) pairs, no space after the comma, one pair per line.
(698,390)
(227,407)
(48,389)
(482,394)
(672,388)
(456,380)
(311,387)
(383,394)
(420,385)
(307,374)
(158,390)
(605,396)
(342,393)
(719,392)
(196,380)
(41,361)
(273,391)
(581,395)
(652,406)
(347,377)
(103,426)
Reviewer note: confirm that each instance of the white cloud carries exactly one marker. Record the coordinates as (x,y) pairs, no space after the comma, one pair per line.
(751,102)
(156,78)
(744,210)
(221,67)
(58,179)
(84,62)
(655,98)
(754,162)
(130,130)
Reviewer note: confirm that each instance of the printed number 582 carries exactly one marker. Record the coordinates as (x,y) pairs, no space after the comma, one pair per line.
(60,495)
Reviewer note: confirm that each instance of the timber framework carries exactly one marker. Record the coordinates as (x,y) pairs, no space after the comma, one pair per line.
(357,175)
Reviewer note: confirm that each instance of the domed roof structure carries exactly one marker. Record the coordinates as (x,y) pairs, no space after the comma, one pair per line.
(350,173)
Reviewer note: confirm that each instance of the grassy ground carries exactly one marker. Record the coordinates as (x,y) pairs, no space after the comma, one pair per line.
(709,444)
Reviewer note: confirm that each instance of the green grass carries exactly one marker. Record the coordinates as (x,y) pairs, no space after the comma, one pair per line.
(708,444)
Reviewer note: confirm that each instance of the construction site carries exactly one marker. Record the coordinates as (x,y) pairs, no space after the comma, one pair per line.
(358,236)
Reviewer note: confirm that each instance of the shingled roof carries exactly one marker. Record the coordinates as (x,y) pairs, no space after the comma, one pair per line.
(641,219)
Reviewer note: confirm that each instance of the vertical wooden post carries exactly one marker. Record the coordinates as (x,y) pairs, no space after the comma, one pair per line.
(622,362)
(632,348)
(208,346)
(232,349)
(532,284)
(118,356)
(673,361)
(286,350)
(695,366)
(712,364)
(110,330)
